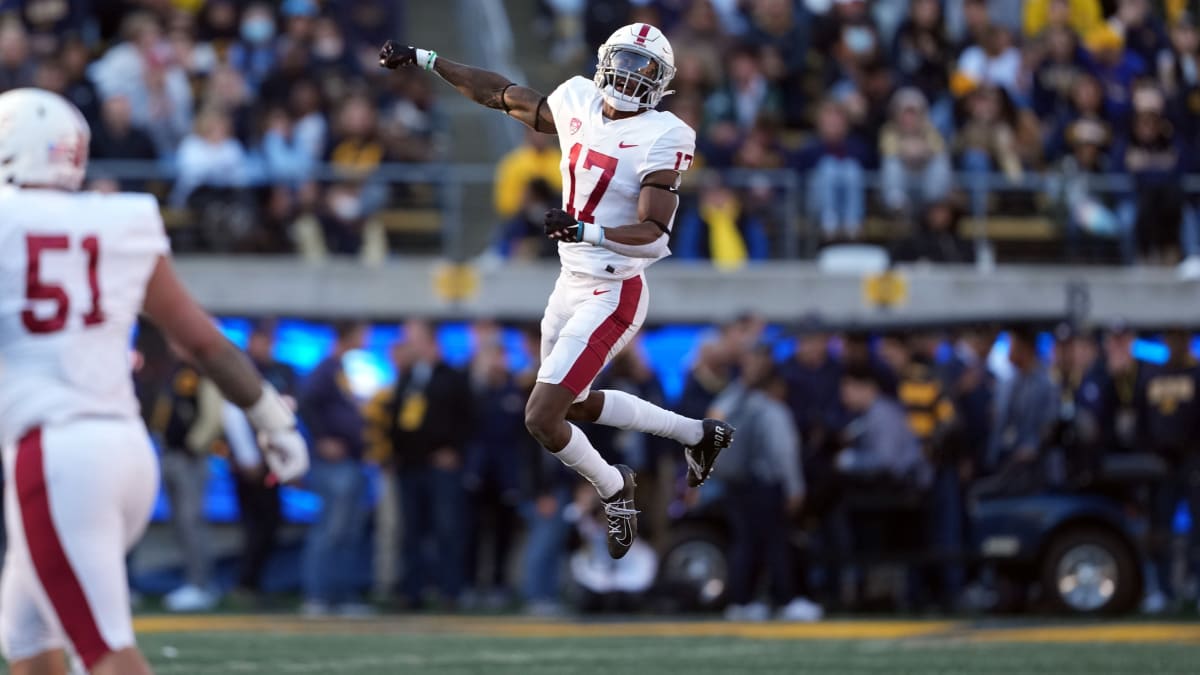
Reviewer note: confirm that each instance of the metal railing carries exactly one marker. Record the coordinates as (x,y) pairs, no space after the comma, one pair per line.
(797,238)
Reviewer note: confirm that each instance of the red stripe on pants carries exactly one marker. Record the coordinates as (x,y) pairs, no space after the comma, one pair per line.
(49,559)
(604,338)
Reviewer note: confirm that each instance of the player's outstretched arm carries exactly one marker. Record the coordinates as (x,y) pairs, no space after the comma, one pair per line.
(191,330)
(482,86)
(646,238)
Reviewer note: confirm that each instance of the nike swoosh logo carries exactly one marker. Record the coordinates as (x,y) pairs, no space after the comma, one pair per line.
(622,145)
(598,292)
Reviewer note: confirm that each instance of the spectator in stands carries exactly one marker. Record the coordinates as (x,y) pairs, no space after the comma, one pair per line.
(851,37)
(833,163)
(931,417)
(701,42)
(720,231)
(343,223)
(188,416)
(227,91)
(536,159)
(523,237)
(1060,62)
(287,156)
(332,63)
(867,97)
(760,149)
(1087,208)
(210,157)
(423,425)
(974,24)
(299,21)
(291,71)
(1087,104)
(972,384)
(1154,156)
(879,443)
(255,53)
(1079,16)
(158,90)
(709,374)
(915,163)
(1117,69)
(764,489)
(74,57)
(987,141)
(937,237)
(16,66)
(355,148)
(1167,401)
(309,126)
(747,96)
(920,54)
(1025,408)
(331,412)
(411,124)
(492,475)
(1179,74)
(995,62)
(1106,400)
(115,137)
(1143,31)
(258,499)
(813,380)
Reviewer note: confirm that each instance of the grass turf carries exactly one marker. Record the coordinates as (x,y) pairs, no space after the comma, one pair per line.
(379,647)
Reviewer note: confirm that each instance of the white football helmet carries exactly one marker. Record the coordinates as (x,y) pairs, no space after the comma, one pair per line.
(635,66)
(43,140)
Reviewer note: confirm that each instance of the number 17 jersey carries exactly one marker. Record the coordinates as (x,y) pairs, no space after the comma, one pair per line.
(603,165)
(73,273)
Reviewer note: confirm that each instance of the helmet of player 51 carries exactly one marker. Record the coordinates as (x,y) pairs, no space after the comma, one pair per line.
(43,140)
(635,66)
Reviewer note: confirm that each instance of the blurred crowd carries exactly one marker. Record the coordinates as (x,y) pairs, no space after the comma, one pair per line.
(242,102)
(955,106)
(840,434)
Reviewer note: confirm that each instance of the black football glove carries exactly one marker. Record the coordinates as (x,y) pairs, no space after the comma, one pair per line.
(393,55)
(561,226)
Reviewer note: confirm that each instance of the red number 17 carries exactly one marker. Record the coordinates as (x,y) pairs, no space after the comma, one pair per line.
(608,167)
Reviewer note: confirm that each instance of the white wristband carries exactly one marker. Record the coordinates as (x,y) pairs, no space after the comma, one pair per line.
(591,233)
(426,58)
(270,412)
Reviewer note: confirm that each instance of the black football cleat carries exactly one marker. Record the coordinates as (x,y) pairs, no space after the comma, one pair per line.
(622,516)
(718,434)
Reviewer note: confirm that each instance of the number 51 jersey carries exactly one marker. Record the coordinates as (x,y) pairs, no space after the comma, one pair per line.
(73,276)
(604,163)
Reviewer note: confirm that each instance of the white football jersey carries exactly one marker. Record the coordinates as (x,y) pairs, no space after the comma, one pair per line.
(73,276)
(603,164)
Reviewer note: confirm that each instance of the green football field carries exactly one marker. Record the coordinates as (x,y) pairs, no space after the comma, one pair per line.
(518,646)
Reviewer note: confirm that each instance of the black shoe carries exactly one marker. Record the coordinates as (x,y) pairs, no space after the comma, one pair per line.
(622,516)
(718,435)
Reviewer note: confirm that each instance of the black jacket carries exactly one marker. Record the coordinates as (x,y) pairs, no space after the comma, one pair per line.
(428,412)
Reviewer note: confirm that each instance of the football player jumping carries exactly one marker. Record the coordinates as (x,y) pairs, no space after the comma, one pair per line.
(621,166)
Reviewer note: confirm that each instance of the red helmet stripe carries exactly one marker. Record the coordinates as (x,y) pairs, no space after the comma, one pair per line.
(643,33)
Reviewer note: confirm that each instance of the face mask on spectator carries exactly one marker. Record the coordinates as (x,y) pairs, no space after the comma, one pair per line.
(328,48)
(345,206)
(859,40)
(257,30)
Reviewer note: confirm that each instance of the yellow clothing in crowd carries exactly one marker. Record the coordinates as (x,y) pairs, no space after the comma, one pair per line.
(520,167)
(1085,15)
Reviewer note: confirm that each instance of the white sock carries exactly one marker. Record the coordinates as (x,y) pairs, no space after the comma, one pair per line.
(626,411)
(587,462)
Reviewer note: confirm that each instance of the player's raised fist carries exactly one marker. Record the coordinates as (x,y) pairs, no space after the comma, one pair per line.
(393,55)
(561,226)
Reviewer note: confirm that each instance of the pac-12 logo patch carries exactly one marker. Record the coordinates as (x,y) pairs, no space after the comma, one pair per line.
(575,124)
